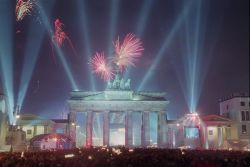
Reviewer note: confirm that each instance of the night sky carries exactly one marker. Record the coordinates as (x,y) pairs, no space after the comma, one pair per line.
(223,54)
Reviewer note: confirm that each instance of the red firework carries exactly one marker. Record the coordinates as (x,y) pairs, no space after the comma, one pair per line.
(126,53)
(60,36)
(100,67)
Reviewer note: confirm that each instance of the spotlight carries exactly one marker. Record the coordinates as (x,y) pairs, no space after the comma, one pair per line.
(6,55)
(86,38)
(141,23)
(59,51)
(113,20)
(194,61)
(166,43)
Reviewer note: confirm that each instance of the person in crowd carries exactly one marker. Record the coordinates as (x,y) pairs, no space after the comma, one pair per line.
(123,157)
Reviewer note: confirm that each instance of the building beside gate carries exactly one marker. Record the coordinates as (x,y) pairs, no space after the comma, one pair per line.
(202,132)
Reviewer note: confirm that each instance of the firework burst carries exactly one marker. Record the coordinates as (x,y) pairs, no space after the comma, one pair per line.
(128,52)
(60,36)
(100,67)
(23,8)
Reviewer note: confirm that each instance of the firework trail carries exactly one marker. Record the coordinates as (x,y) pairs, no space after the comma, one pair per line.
(128,52)
(23,8)
(60,36)
(100,67)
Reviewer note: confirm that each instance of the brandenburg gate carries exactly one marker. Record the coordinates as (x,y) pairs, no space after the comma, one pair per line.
(117,99)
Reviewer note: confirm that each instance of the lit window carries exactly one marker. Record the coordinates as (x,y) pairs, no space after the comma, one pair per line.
(247,116)
(210,132)
(242,103)
(29,132)
(244,129)
(243,118)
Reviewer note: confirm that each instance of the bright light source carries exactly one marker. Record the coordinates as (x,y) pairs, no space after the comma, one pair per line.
(73,124)
(177,124)
(22,155)
(195,114)
(69,155)
(131,150)
(17,116)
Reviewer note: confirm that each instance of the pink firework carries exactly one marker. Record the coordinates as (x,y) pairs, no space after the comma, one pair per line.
(23,8)
(100,66)
(60,36)
(128,52)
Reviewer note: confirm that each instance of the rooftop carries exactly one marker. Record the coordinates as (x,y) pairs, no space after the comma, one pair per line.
(235,95)
(60,120)
(118,95)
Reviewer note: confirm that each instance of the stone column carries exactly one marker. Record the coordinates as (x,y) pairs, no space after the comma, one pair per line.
(72,128)
(46,129)
(205,137)
(128,129)
(220,137)
(35,130)
(174,137)
(106,128)
(145,129)
(89,128)
(160,128)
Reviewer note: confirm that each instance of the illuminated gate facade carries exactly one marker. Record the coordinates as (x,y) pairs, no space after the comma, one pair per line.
(118,117)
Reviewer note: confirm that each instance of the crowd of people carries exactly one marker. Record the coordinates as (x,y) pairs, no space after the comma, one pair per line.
(123,157)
